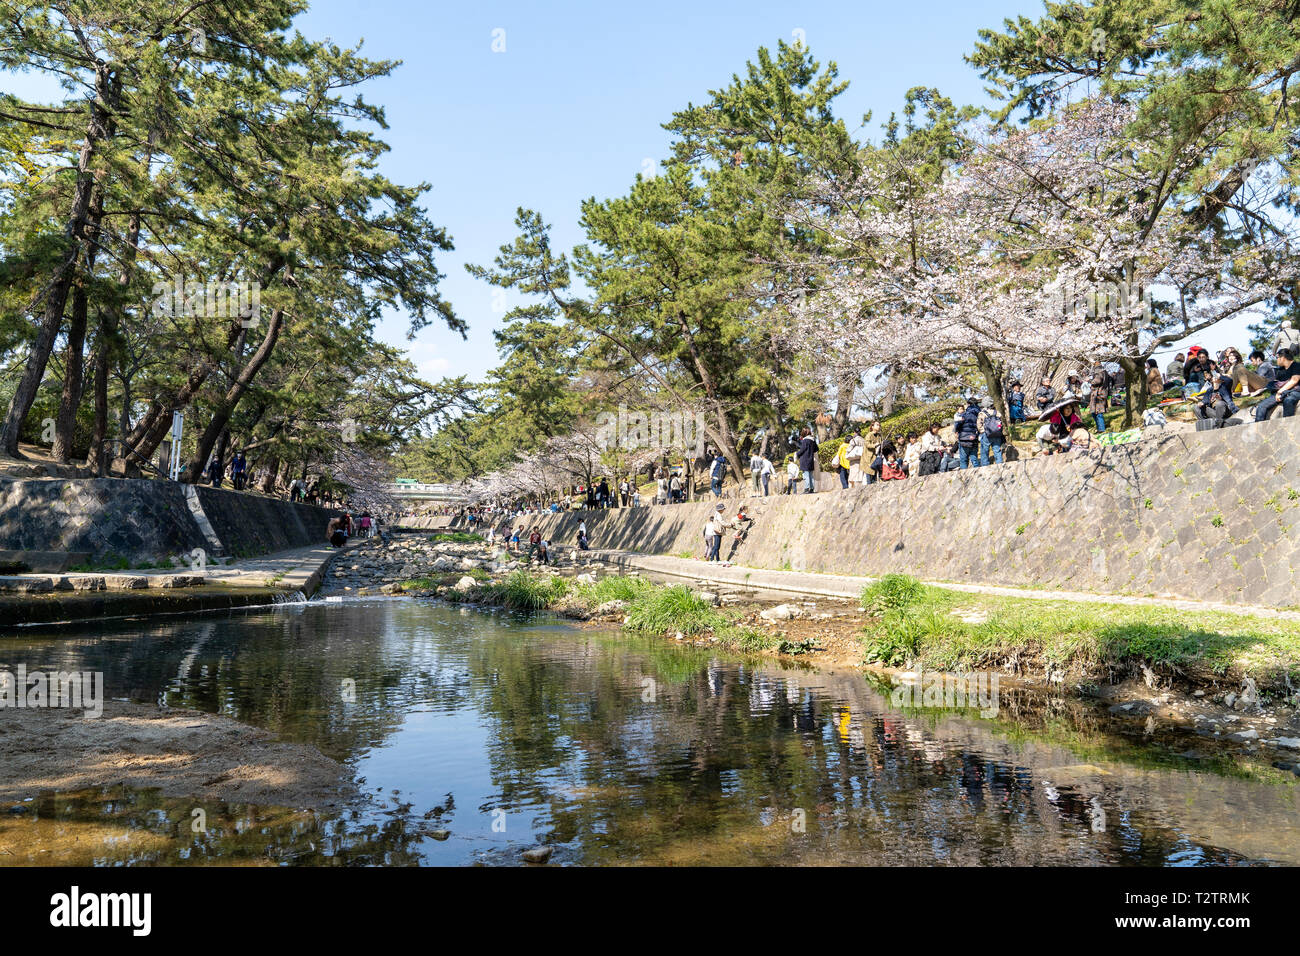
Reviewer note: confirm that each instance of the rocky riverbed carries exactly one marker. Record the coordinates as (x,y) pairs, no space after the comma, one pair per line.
(419,563)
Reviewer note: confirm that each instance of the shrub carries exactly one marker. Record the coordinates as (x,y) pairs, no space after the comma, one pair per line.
(892,593)
(522,591)
(918,419)
(672,609)
(826,452)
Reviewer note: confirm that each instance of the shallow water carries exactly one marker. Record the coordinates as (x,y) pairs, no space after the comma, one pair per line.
(511,731)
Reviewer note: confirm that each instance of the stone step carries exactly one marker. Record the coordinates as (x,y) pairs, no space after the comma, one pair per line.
(44,583)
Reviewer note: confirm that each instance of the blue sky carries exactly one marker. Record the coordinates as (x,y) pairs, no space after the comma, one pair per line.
(572,106)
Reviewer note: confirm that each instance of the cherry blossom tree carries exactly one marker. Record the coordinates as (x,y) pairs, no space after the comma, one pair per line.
(1062,240)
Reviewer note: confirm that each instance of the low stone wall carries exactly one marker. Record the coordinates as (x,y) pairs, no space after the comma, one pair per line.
(139,520)
(1203,515)
(252,524)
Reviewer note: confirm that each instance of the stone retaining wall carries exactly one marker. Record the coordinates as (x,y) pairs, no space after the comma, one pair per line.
(139,519)
(1202,515)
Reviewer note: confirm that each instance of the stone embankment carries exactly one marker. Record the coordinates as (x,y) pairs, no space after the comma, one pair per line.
(129,522)
(1205,516)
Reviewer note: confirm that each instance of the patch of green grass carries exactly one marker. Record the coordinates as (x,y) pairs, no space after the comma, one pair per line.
(893,592)
(522,591)
(1020,528)
(455,537)
(613,588)
(991,630)
(670,609)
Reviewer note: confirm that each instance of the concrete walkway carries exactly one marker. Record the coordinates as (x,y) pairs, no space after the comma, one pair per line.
(850,586)
(298,569)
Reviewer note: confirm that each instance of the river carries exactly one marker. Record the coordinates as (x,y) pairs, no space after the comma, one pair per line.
(479,734)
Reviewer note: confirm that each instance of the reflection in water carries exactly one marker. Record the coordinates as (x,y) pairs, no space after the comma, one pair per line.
(478,734)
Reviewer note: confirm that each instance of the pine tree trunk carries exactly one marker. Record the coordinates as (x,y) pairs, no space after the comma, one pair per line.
(99,128)
(223,411)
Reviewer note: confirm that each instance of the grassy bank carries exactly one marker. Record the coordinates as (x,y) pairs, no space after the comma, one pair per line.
(639,605)
(912,624)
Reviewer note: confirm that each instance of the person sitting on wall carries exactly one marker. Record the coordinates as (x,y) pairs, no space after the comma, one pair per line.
(1045,394)
(1059,424)
(1174,371)
(893,469)
(1215,401)
(1285,388)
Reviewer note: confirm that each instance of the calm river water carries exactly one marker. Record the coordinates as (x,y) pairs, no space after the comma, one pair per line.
(511,731)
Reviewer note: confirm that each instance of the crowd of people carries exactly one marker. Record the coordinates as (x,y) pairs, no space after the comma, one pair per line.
(339,529)
(978,437)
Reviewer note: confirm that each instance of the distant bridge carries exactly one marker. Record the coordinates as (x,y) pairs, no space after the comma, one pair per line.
(426,491)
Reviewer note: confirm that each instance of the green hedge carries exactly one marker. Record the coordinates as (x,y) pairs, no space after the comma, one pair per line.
(918,419)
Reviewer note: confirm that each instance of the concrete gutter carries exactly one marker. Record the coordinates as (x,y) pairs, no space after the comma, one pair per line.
(850,586)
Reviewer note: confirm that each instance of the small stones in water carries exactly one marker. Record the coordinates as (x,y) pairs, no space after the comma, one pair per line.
(538,854)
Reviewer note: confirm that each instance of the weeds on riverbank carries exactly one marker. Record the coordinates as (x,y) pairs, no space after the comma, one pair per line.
(456,537)
(947,630)
(521,591)
(647,608)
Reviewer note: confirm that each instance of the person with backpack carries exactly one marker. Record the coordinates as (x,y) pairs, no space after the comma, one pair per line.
(992,434)
(1099,397)
(717,473)
(968,433)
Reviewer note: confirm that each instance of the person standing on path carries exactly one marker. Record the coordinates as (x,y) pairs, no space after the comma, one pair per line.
(992,434)
(807,458)
(716,474)
(1099,397)
(765,473)
(968,437)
